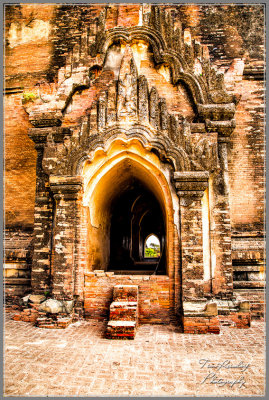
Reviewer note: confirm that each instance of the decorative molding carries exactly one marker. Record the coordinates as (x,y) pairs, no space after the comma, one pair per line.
(254,72)
(65,187)
(188,59)
(190,185)
(42,119)
(40,135)
(13,90)
(127,107)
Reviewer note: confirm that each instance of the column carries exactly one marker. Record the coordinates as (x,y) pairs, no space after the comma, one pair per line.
(222,282)
(67,195)
(219,118)
(40,274)
(190,188)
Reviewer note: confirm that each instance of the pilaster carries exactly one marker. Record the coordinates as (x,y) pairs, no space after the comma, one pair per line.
(190,188)
(222,282)
(219,118)
(67,195)
(40,274)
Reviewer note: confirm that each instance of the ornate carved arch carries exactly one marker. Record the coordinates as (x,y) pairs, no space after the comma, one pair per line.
(177,157)
(127,112)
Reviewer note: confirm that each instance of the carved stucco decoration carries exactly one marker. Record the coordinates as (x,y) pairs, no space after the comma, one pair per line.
(130,110)
(188,60)
(127,88)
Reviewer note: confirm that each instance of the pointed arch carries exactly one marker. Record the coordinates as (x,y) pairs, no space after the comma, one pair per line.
(161,145)
(105,178)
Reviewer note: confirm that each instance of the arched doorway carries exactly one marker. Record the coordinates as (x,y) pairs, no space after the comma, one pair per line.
(128,189)
(128,196)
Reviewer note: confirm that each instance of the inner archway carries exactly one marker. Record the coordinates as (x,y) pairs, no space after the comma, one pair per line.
(135,214)
(152,247)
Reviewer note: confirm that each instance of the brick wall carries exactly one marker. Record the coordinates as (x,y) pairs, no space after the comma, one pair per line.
(28,32)
(153,293)
(20,165)
(246,161)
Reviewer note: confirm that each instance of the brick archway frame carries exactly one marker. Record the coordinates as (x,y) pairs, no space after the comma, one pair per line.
(101,182)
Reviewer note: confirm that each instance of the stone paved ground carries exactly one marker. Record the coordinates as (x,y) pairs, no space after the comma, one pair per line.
(78,361)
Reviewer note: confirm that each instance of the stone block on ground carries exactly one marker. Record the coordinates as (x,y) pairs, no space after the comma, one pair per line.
(211,309)
(52,306)
(68,305)
(25,300)
(36,298)
(244,306)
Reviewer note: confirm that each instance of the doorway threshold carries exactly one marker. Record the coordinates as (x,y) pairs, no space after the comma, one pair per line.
(134,272)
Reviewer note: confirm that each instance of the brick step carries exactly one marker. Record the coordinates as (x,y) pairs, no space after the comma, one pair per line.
(125,292)
(121,329)
(123,310)
(123,313)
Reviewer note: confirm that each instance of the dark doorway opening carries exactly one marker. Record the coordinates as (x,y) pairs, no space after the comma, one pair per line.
(135,215)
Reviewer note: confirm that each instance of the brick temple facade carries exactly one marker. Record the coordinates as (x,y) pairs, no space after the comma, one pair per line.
(123,121)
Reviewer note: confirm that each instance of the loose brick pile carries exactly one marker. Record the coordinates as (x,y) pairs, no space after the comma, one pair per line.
(27,315)
(201,325)
(33,313)
(53,322)
(237,320)
(43,320)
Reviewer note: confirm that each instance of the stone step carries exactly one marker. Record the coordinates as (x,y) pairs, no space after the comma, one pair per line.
(121,329)
(125,292)
(123,310)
